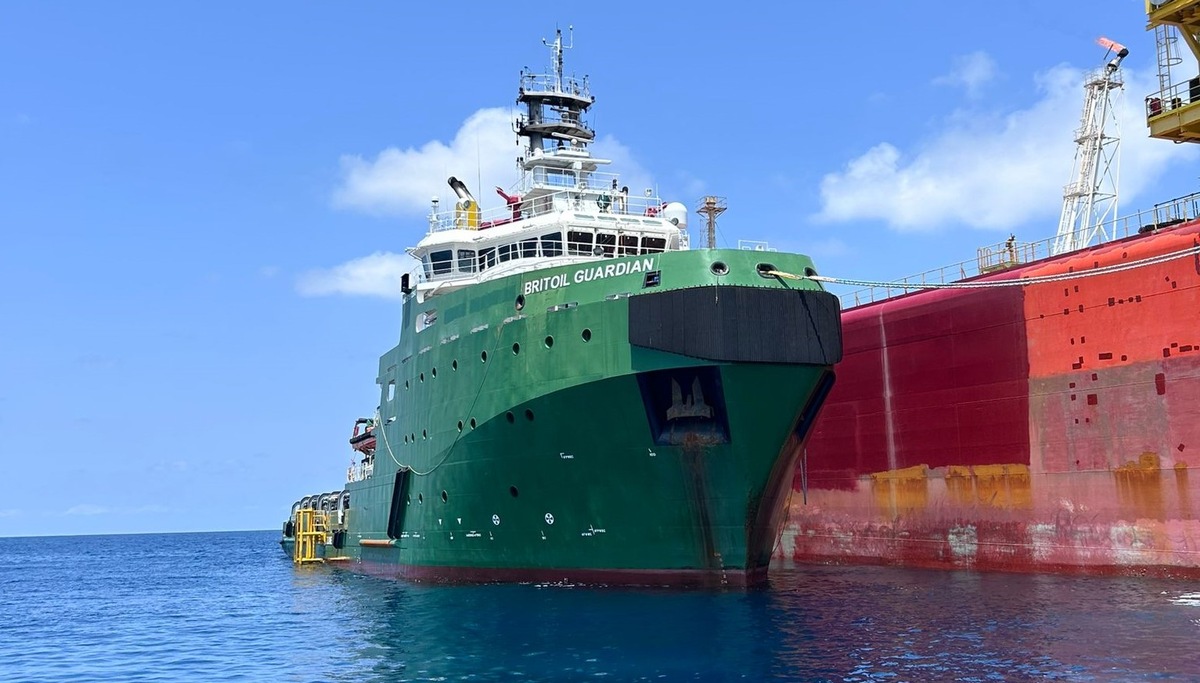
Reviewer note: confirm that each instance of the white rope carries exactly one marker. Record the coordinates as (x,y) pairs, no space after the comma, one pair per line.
(470,410)
(383,430)
(1021,282)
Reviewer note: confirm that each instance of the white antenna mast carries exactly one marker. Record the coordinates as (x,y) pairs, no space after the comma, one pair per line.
(1090,199)
(557,48)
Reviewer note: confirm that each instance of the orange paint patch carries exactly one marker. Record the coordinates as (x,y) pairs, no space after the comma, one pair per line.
(1139,487)
(903,490)
(999,486)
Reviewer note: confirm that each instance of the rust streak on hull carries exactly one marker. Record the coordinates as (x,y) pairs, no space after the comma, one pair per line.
(1051,427)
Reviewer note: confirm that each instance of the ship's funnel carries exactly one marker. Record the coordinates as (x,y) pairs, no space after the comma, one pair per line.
(466,210)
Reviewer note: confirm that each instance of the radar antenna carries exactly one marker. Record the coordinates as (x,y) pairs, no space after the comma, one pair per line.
(1090,199)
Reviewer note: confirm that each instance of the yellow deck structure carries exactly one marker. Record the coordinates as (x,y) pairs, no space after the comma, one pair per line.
(1173,112)
(312,529)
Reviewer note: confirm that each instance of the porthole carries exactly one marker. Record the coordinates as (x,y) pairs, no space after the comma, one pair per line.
(460,425)
(406,385)
(483,356)
(421,377)
(472,423)
(512,491)
(809,271)
(408,499)
(765,269)
(406,438)
(433,372)
(412,438)
(719,268)
(587,335)
(424,434)
(444,496)
(520,302)
(454,365)
(529,415)
(516,349)
(420,499)
(549,341)
(510,417)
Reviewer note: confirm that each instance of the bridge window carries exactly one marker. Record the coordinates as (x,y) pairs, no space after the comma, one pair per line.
(442,261)
(529,248)
(487,258)
(466,261)
(506,252)
(607,241)
(653,245)
(579,243)
(552,244)
(629,245)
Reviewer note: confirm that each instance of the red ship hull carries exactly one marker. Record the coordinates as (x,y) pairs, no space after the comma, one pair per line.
(1050,427)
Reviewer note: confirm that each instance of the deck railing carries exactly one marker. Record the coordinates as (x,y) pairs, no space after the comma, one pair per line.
(1007,254)
(1175,96)
(591,194)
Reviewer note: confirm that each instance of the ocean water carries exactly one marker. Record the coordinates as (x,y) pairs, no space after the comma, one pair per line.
(231,607)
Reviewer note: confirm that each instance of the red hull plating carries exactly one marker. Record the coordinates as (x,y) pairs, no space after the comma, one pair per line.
(1052,427)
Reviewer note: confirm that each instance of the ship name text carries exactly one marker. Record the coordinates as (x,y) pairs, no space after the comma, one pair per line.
(545,284)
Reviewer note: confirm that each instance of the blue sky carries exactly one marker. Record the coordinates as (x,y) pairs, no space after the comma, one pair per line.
(203,203)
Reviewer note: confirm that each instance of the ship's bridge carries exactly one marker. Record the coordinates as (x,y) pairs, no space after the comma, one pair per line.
(455,257)
(563,210)
(1173,112)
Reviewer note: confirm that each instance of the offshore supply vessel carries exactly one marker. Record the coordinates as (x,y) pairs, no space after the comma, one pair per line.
(576,394)
(1042,415)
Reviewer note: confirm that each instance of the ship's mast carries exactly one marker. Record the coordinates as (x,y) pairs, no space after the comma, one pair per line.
(1173,113)
(710,208)
(1090,199)
(556,154)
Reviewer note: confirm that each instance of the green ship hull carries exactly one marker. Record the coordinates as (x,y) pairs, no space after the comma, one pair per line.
(577,395)
(629,420)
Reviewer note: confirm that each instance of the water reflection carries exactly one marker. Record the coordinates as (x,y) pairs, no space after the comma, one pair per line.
(811,624)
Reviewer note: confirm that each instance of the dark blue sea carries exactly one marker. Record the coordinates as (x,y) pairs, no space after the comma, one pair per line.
(231,607)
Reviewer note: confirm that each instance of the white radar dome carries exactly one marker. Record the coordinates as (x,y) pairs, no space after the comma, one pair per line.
(676,213)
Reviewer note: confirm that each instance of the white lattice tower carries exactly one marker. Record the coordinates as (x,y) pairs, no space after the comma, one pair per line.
(1090,199)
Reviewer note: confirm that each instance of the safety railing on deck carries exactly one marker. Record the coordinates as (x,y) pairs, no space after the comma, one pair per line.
(360,471)
(550,83)
(589,196)
(1010,253)
(1176,96)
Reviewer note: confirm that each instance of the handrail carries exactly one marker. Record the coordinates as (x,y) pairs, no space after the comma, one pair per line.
(551,83)
(590,196)
(1175,96)
(1008,254)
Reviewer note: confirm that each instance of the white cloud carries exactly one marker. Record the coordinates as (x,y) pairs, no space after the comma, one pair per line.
(87,509)
(374,275)
(993,170)
(482,154)
(633,176)
(971,72)
(397,181)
